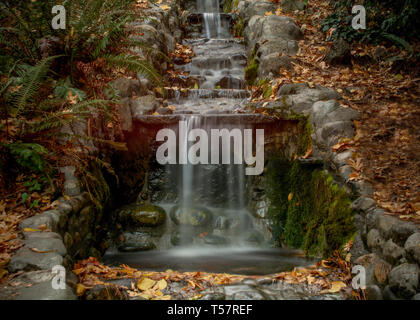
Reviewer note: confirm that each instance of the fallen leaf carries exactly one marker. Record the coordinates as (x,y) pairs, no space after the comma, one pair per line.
(145,283)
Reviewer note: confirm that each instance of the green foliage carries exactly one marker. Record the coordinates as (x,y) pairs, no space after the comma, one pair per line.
(28,155)
(63,88)
(307,209)
(28,80)
(135,64)
(388,20)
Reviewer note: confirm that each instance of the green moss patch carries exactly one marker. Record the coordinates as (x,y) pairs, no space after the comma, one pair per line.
(308,210)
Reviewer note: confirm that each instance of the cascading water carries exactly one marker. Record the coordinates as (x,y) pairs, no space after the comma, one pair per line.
(208,225)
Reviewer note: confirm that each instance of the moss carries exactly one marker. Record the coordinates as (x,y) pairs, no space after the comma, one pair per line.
(251,71)
(238,28)
(307,209)
(227,7)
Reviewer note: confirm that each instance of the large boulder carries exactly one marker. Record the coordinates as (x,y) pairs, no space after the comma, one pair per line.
(273,64)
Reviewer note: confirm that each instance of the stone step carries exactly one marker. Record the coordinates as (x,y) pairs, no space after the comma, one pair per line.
(172,93)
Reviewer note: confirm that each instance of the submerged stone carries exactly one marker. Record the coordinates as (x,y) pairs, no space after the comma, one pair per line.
(215,240)
(191,216)
(137,241)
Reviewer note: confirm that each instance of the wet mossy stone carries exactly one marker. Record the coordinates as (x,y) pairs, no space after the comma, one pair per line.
(136,241)
(191,216)
(142,216)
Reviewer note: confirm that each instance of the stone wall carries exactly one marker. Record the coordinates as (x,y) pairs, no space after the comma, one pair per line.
(387,247)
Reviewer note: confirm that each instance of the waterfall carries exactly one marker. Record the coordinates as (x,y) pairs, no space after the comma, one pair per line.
(213,26)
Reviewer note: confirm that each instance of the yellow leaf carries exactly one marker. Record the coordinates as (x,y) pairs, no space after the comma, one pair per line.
(80,289)
(145,283)
(336,286)
(31,230)
(3,273)
(162,284)
(164,7)
(268,13)
(348,257)
(290,196)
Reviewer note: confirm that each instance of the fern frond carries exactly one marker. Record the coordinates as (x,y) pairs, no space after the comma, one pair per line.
(133,63)
(31,79)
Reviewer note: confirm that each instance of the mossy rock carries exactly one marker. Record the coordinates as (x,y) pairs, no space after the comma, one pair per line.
(137,241)
(191,216)
(142,216)
(308,210)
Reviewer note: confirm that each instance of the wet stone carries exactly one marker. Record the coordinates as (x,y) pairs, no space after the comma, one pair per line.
(137,241)
(191,216)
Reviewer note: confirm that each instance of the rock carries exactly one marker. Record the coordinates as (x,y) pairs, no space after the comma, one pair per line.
(401,231)
(147,215)
(388,294)
(44,291)
(41,219)
(324,112)
(178,240)
(392,252)
(280,27)
(339,53)
(416,297)
(292,5)
(373,292)
(106,292)
(213,296)
(128,88)
(45,241)
(362,188)
(358,249)
(330,133)
(215,240)
(412,247)
(143,105)
(192,216)
(377,270)
(375,240)
(363,204)
(404,280)
(272,65)
(259,8)
(372,218)
(248,295)
(340,159)
(379,53)
(385,223)
(137,241)
(164,110)
(229,82)
(28,260)
(71,183)
(344,172)
(289,47)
